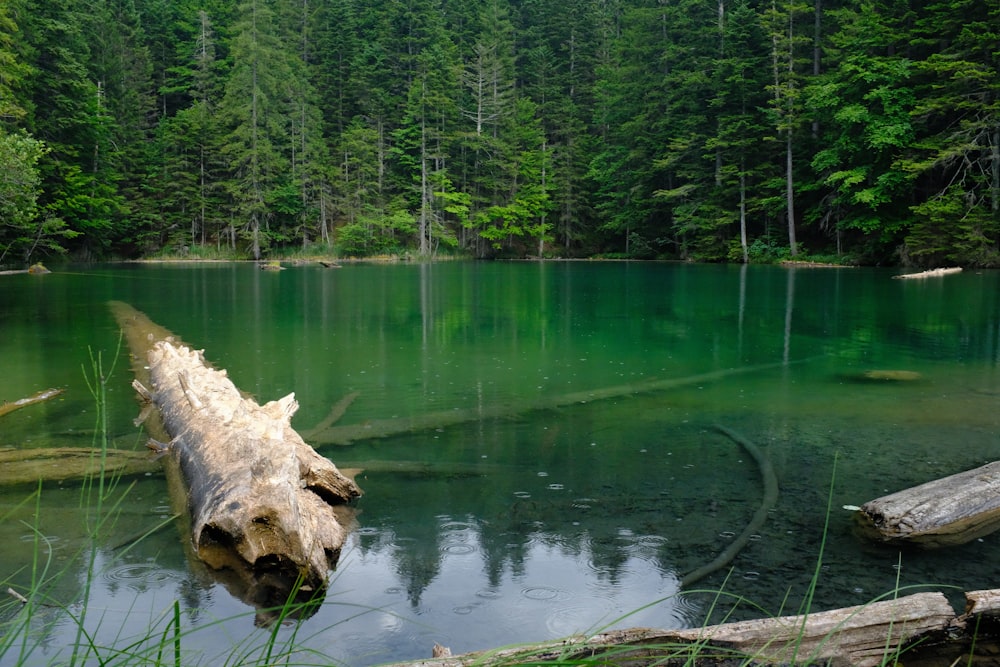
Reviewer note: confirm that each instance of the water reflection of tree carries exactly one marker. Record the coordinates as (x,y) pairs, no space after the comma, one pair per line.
(606,508)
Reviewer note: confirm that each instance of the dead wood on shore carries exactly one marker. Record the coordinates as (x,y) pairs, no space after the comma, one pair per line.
(860,636)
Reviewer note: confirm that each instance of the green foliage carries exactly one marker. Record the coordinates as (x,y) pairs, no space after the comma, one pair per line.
(375,234)
(561,127)
(24,230)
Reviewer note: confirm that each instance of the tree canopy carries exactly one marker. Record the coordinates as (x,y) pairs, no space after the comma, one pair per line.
(712,130)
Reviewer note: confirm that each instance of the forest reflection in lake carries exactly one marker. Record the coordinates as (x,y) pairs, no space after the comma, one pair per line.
(526,524)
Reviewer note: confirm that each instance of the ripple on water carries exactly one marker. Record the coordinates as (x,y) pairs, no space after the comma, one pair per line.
(546,594)
(457,526)
(51,540)
(458,549)
(575,618)
(138,575)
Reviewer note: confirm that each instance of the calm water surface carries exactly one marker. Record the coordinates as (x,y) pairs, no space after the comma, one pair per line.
(542,523)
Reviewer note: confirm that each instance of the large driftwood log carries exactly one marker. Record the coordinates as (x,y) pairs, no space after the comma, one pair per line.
(945,512)
(861,636)
(260,498)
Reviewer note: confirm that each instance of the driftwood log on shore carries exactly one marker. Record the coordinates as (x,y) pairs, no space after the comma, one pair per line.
(944,512)
(931,273)
(861,636)
(259,497)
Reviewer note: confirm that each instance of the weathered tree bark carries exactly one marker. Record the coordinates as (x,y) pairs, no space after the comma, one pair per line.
(260,498)
(861,636)
(945,512)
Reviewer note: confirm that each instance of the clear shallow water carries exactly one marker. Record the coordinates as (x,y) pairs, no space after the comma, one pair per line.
(544,523)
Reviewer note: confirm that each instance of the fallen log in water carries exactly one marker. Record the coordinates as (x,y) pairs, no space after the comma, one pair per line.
(60,464)
(260,498)
(383,428)
(39,397)
(770,497)
(931,273)
(861,636)
(945,512)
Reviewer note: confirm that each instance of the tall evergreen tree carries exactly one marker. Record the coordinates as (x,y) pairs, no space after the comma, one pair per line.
(788,41)
(739,82)
(956,158)
(70,115)
(14,71)
(864,108)
(254,109)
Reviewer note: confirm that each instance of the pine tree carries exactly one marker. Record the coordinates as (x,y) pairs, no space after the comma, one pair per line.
(69,113)
(864,106)
(738,95)
(14,71)
(422,144)
(254,109)
(788,40)
(956,155)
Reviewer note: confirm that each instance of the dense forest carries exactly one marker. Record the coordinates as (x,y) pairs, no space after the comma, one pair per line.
(712,130)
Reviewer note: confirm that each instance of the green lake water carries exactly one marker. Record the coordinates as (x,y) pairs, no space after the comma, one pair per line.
(533,524)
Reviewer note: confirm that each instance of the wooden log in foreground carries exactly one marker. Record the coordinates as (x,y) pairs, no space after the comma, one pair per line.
(945,512)
(861,636)
(258,495)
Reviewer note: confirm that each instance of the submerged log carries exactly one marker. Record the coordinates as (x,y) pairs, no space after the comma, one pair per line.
(861,636)
(945,512)
(770,497)
(61,464)
(39,397)
(347,434)
(259,497)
